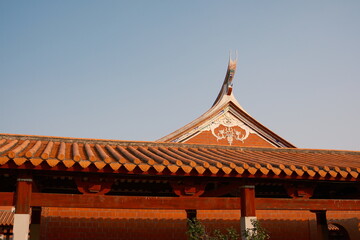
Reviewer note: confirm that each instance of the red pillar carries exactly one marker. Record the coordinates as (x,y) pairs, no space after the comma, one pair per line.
(248,214)
(191,214)
(321,225)
(35,223)
(191,220)
(22,208)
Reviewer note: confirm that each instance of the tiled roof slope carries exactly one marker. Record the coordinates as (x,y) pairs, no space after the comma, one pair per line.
(6,218)
(93,155)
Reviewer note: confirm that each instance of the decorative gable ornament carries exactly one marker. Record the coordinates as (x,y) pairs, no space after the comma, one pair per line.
(230,128)
(226,122)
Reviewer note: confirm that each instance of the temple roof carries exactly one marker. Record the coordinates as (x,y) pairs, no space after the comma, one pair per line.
(227,123)
(169,159)
(225,142)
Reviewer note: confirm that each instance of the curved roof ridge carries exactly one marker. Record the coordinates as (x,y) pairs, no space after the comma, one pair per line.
(226,92)
(227,86)
(224,99)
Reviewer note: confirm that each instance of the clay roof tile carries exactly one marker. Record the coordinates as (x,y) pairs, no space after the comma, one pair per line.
(176,158)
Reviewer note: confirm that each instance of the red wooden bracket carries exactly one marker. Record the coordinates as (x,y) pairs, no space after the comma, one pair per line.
(94,185)
(188,188)
(300,191)
(222,190)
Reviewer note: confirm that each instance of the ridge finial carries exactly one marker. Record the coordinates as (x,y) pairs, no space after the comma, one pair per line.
(227,86)
(230,73)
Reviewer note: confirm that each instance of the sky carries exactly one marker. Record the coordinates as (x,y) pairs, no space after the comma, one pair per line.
(139,70)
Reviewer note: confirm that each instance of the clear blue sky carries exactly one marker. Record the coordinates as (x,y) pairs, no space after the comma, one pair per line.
(138,70)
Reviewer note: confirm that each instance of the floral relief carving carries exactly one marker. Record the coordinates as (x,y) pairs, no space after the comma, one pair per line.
(227,127)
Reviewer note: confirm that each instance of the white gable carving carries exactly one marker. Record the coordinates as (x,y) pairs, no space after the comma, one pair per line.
(223,128)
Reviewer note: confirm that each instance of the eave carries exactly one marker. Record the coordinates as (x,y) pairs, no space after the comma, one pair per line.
(21,152)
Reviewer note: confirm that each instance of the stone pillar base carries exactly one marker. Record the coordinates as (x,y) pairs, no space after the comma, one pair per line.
(246,224)
(21,226)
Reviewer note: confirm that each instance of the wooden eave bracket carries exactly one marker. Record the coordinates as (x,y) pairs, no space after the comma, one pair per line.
(94,185)
(304,191)
(188,188)
(222,190)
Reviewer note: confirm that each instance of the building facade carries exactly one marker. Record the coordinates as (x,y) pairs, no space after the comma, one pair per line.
(224,168)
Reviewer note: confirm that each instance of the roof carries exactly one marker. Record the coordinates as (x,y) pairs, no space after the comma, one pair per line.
(96,155)
(6,217)
(227,120)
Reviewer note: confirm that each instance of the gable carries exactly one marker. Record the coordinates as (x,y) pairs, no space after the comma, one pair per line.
(224,129)
(227,123)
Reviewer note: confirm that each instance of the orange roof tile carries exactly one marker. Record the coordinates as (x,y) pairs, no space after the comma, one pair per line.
(6,218)
(76,154)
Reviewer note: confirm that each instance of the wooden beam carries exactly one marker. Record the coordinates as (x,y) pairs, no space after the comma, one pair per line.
(6,199)
(307,204)
(200,203)
(64,200)
(125,202)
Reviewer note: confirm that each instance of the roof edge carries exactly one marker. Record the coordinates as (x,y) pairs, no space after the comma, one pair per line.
(152,143)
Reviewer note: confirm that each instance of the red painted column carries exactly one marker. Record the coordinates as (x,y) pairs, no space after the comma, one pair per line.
(191,217)
(35,223)
(191,214)
(248,214)
(22,208)
(321,225)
